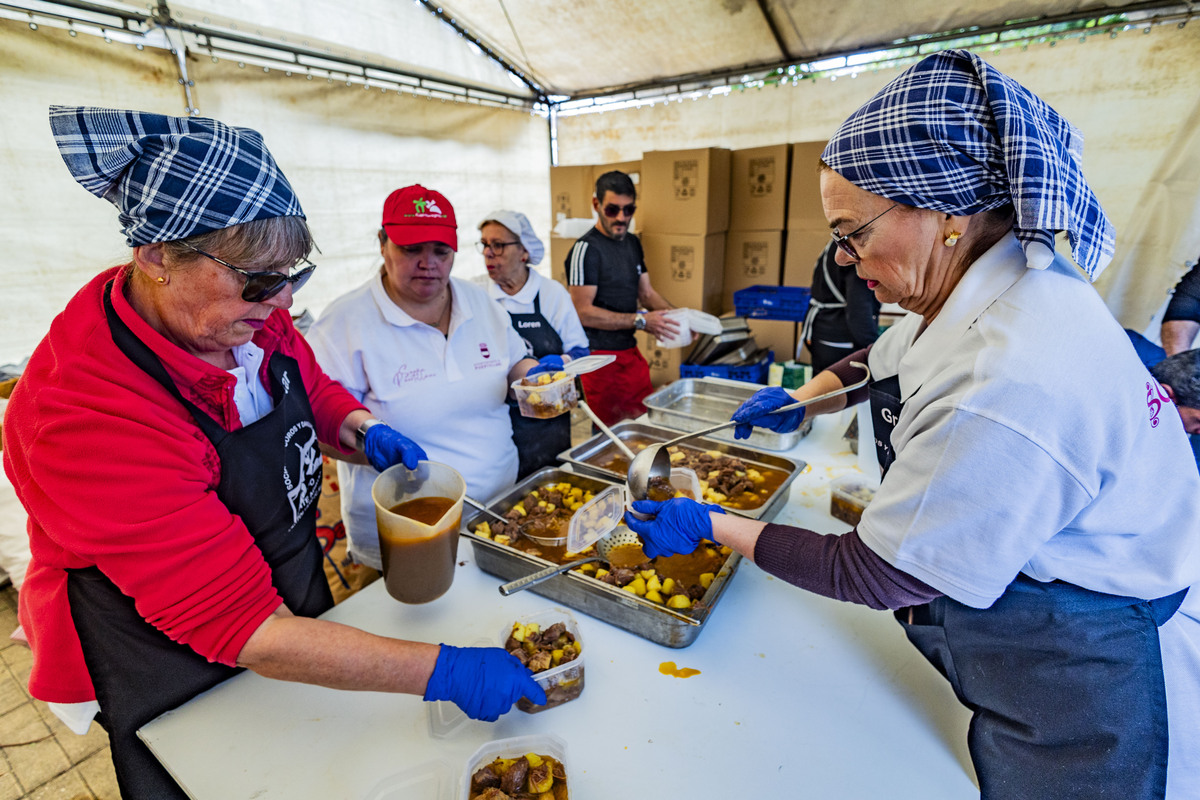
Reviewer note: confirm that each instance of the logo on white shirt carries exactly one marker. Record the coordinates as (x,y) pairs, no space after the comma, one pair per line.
(483,350)
(1156,398)
(405,376)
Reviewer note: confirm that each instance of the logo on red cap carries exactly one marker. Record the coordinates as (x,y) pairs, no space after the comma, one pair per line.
(422,205)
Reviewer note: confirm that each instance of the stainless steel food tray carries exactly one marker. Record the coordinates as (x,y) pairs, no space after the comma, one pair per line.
(692,404)
(665,626)
(578,457)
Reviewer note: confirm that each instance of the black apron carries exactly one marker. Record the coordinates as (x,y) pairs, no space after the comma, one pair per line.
(825,353)
(538,441)
(1065,684)
(271,478)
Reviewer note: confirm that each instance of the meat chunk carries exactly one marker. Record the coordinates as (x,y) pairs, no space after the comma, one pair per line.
(484,778)
(514,777)
(492,793)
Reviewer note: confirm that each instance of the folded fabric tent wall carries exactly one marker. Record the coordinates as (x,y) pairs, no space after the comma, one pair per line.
(345,147)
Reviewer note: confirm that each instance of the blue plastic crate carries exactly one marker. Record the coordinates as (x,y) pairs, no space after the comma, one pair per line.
(753,373)
(773,302)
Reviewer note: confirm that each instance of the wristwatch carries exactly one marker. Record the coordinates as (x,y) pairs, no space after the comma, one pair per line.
(360,433)
(639,322)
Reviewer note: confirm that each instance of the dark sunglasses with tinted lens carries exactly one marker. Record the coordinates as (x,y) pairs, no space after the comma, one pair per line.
(612,210)
(262,286)
(843,242)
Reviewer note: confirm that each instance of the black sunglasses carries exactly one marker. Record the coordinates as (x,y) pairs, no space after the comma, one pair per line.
(264,285)
(843,242)
(612,210)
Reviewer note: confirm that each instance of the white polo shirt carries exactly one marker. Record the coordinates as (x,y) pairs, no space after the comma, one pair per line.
(444,392)
(556,306)
(1031,440)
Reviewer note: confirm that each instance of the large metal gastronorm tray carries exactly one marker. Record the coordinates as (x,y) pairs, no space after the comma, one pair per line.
(578,457)
(607,603)
(693,404)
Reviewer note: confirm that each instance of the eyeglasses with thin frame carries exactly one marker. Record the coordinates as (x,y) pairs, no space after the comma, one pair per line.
(612,210)
(263,285)
(843,242)
(495,247)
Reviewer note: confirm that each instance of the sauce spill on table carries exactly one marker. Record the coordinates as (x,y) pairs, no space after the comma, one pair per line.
(669,668)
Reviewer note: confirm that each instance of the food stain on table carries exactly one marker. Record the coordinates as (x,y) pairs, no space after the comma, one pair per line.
(669,668)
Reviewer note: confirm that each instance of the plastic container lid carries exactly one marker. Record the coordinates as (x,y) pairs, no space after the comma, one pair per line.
(702,322)
(582,366)
(690,321)
(432,780)
(595,518)
(445,718)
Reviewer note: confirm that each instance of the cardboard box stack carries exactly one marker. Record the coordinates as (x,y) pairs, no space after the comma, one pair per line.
(758,203)
(807,228)
(664,361)
(570,192)
(683,213)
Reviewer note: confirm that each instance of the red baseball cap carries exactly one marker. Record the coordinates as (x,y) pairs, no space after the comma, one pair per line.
(414,214)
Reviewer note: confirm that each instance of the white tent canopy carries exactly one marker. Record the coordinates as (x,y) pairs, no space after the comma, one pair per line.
(358,99)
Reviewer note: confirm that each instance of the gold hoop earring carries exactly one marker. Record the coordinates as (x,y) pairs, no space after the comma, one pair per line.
(952,239)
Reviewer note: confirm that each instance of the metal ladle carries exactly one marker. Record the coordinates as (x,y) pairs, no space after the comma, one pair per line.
(618,539)
(522,529)
(624,448)
(655,461)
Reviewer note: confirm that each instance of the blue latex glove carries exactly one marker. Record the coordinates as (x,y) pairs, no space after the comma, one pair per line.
(578,352)
(384,447)
(756,412)
(678,527)
(483,681)
(551,363)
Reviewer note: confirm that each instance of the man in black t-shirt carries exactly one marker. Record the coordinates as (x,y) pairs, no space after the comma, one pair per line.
(606,275)
(1181,322)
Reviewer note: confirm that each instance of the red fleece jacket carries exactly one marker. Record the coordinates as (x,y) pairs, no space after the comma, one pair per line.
(114,473)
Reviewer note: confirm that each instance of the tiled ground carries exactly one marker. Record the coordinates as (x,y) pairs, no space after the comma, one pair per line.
(40,758)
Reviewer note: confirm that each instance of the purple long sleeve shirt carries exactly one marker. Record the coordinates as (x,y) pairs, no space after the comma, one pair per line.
(841,567)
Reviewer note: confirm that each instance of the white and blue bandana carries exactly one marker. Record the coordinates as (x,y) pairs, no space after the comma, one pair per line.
(956,135)
(171,177)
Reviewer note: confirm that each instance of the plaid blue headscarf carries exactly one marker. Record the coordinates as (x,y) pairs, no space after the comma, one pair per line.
(956,135)
(171,177)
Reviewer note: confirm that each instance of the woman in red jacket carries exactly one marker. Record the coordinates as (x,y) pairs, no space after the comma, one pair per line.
(181,372)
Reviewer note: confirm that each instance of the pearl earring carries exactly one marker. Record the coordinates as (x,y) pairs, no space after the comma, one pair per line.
(952,239)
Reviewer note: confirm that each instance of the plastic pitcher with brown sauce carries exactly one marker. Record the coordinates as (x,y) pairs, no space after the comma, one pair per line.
(419,512)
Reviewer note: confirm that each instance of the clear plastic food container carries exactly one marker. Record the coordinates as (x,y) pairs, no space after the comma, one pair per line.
(551,395)
(849,497)
(446,719)
(433,780)
(685,480)
(542,745)
(596,518)
(562,683)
